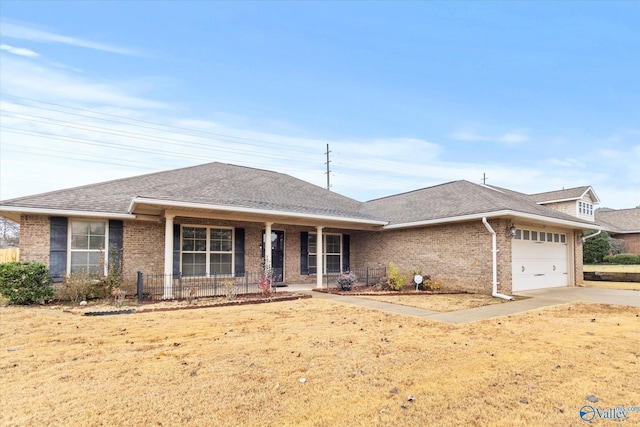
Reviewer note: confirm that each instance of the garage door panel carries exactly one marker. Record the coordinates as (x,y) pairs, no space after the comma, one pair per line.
(538,265)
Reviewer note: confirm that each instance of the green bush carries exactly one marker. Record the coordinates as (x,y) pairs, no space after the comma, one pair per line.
(623,259)
(596,248)
(25,283)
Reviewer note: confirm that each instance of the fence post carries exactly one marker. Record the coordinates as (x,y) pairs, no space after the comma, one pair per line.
(246,282)
(367,276)
(139,285)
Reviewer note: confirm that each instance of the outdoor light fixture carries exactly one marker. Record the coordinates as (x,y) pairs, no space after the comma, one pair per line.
(511,231)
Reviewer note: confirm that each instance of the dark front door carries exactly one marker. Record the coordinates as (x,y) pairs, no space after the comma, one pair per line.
(277,254)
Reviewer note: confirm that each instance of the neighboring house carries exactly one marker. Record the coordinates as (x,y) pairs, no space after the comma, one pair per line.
(213,219)
(622,224)
(578,202)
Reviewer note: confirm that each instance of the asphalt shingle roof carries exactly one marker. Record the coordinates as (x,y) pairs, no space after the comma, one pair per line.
(211,183)
(619,220)
(568,194)
(243,187)
(454,199)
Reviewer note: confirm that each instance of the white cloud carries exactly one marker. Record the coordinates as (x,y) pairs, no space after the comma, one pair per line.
(22,32)
(510,138)
(19,51)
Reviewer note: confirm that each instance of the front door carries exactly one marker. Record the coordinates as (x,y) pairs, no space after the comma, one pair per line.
(277,254)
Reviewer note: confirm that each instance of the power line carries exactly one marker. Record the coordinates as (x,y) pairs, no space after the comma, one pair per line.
(251,141)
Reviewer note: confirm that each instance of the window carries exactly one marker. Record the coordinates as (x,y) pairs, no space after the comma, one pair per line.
(518,234)
(525,235)
(585,208)
(88,243)
(563,238)
(207,251)
(534,236)
(332,244)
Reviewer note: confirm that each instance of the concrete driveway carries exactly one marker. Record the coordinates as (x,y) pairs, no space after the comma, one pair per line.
(537,299)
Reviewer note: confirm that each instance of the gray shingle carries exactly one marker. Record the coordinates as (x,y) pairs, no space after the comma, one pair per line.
(619,220)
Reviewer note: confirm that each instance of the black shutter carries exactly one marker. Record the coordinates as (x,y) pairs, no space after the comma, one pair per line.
(239,252)
(176,250)
(58,248)
(115,243)
(304,253)
(346,243)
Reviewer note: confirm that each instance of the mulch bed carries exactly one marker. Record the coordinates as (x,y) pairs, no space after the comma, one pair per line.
(148,307)
(367,291)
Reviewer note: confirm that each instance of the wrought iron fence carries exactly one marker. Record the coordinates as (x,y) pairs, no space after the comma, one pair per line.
(154,287)
(365,276)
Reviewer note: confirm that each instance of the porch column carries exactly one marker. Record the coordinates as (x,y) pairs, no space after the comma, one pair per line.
(168,257)
(319,258)
(267,244)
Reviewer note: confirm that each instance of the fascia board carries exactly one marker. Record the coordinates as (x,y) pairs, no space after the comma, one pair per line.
(66,212)
(495,214)
(176,204)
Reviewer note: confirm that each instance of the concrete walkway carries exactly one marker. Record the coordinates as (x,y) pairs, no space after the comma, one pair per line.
(537,299)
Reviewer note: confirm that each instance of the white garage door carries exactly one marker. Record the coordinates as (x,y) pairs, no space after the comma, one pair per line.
(539,260)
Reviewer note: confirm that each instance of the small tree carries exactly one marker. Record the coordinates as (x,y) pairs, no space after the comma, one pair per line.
(596,248)
(395,281)
(25,283)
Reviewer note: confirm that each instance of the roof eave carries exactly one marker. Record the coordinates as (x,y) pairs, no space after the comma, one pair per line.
(62,212)
(254,211)
(495,214)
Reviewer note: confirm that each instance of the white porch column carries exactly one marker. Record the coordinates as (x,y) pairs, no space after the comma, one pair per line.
(267,244)
(168,257)
(319,258)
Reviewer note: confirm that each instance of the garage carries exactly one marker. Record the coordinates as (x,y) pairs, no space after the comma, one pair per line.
(539,260)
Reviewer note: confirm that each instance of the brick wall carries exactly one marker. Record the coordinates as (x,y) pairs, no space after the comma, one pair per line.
(34,238)
(631,241)
(457,254)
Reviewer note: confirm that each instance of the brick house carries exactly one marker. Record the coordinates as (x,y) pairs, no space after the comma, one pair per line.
(213,219)
(623,224)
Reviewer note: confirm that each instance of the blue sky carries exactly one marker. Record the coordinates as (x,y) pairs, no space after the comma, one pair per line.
(538,96)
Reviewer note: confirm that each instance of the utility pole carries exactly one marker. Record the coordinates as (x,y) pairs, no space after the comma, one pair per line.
(484,179)
(328,170)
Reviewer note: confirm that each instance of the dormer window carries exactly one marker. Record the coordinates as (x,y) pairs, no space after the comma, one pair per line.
(585,208)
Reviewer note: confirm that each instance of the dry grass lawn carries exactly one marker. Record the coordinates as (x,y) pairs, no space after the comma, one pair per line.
(628,286)
(619,268)
(443,302)
(245,365)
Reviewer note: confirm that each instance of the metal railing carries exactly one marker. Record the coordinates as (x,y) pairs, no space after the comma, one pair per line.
(366,276)
(155,287)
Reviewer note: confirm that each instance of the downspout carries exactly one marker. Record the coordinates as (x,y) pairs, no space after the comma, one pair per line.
(494,251)
(584,238)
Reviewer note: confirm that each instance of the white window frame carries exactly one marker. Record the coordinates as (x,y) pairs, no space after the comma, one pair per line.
(208,252)
(324,255)
(104,249)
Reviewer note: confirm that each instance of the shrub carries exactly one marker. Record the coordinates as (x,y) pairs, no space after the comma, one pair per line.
(230,289)
(623,259)
(395,280)
(345,281)
(432,285)
(596,248)
(79,286)
(265,280)
(25,283)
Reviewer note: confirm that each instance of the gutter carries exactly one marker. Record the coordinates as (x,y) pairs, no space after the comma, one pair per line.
(494,251)
(584,239)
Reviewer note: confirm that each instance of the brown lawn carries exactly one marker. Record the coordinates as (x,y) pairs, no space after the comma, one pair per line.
(444,302)
(628,286)
(619,268)
(245,365)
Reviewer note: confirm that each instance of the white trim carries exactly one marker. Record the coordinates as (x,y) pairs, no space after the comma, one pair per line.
(266,212)
(496,214)
(66,212)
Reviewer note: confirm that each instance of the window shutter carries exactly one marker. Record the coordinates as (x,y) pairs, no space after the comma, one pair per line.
(239,252)
(346,243)
(304,253)
(58,247)
(115,243)
(176,250)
